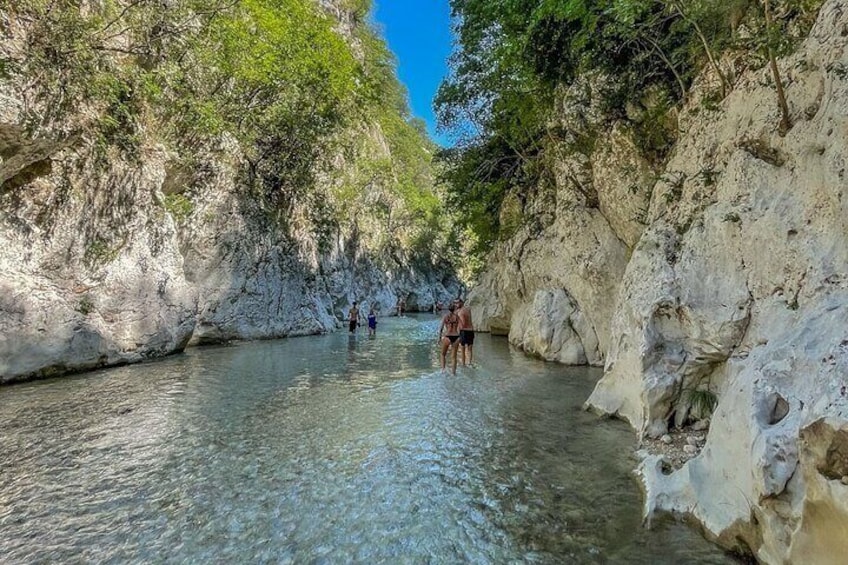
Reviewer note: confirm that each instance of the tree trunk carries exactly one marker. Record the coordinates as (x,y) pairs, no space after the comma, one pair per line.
(725,84)
(785,123)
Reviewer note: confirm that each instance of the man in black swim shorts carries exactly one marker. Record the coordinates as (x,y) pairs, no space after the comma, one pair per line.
(466,332)
(353,318)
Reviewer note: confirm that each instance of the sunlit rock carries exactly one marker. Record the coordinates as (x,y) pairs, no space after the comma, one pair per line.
(739,288)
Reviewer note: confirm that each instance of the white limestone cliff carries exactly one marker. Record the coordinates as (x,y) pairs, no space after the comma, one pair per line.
(726,279)
(97,273)
(552,286)
(739,287)
(91,274)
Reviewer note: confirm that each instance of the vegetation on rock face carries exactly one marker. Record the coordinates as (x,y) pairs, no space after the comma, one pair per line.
(519,62)
(389,182)
(293,85)
(271,72)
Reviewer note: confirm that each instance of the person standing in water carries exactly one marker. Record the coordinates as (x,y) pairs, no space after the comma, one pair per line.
(372,322)
(466,332)
(450,339)
(353,318)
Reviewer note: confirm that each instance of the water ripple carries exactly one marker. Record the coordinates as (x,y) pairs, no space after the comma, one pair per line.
(324,450)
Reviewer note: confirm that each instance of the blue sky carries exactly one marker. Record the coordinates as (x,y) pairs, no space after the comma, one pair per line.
(418,32)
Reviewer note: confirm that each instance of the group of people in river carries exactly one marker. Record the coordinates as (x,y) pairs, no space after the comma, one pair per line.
(455,334)
(354,316)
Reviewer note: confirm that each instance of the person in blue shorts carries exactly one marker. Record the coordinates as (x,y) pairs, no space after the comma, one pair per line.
(372,322)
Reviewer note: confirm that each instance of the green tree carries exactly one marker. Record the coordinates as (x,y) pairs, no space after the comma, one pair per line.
(515,59)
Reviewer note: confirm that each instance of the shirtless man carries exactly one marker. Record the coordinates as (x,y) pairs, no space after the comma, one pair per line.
(450,339)
(353,318)
(466,331)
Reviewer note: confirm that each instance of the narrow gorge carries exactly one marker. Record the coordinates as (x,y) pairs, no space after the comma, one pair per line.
(654,189)
(199,174)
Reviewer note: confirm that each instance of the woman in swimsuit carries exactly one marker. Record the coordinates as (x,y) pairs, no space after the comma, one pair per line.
(450,339)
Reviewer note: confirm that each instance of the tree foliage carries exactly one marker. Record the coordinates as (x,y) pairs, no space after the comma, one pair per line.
(281,77)
(515,59)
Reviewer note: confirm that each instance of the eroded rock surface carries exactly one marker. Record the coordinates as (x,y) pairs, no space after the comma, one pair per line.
(552,286)
(739,289)
(716,286)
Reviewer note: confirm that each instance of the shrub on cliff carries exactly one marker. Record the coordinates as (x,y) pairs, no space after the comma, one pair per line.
(286,78)
(514,59)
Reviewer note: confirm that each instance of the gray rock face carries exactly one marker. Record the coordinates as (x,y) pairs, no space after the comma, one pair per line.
(110,280)
(87,280)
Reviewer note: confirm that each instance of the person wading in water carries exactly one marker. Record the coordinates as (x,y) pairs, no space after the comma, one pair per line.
(353,318)
(372,322)
(450,339)
(466,331)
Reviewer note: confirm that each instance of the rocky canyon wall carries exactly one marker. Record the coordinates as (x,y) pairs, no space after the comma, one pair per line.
(108,258)
(96,271)
(552,287)
(733,289)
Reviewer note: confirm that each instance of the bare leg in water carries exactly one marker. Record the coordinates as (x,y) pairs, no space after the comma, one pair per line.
(455,350)
(447,345)
(469,349)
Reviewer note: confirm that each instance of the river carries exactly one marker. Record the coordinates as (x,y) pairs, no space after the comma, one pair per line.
(329,449)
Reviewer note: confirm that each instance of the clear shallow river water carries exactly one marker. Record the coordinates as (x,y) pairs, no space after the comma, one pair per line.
(325,449)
